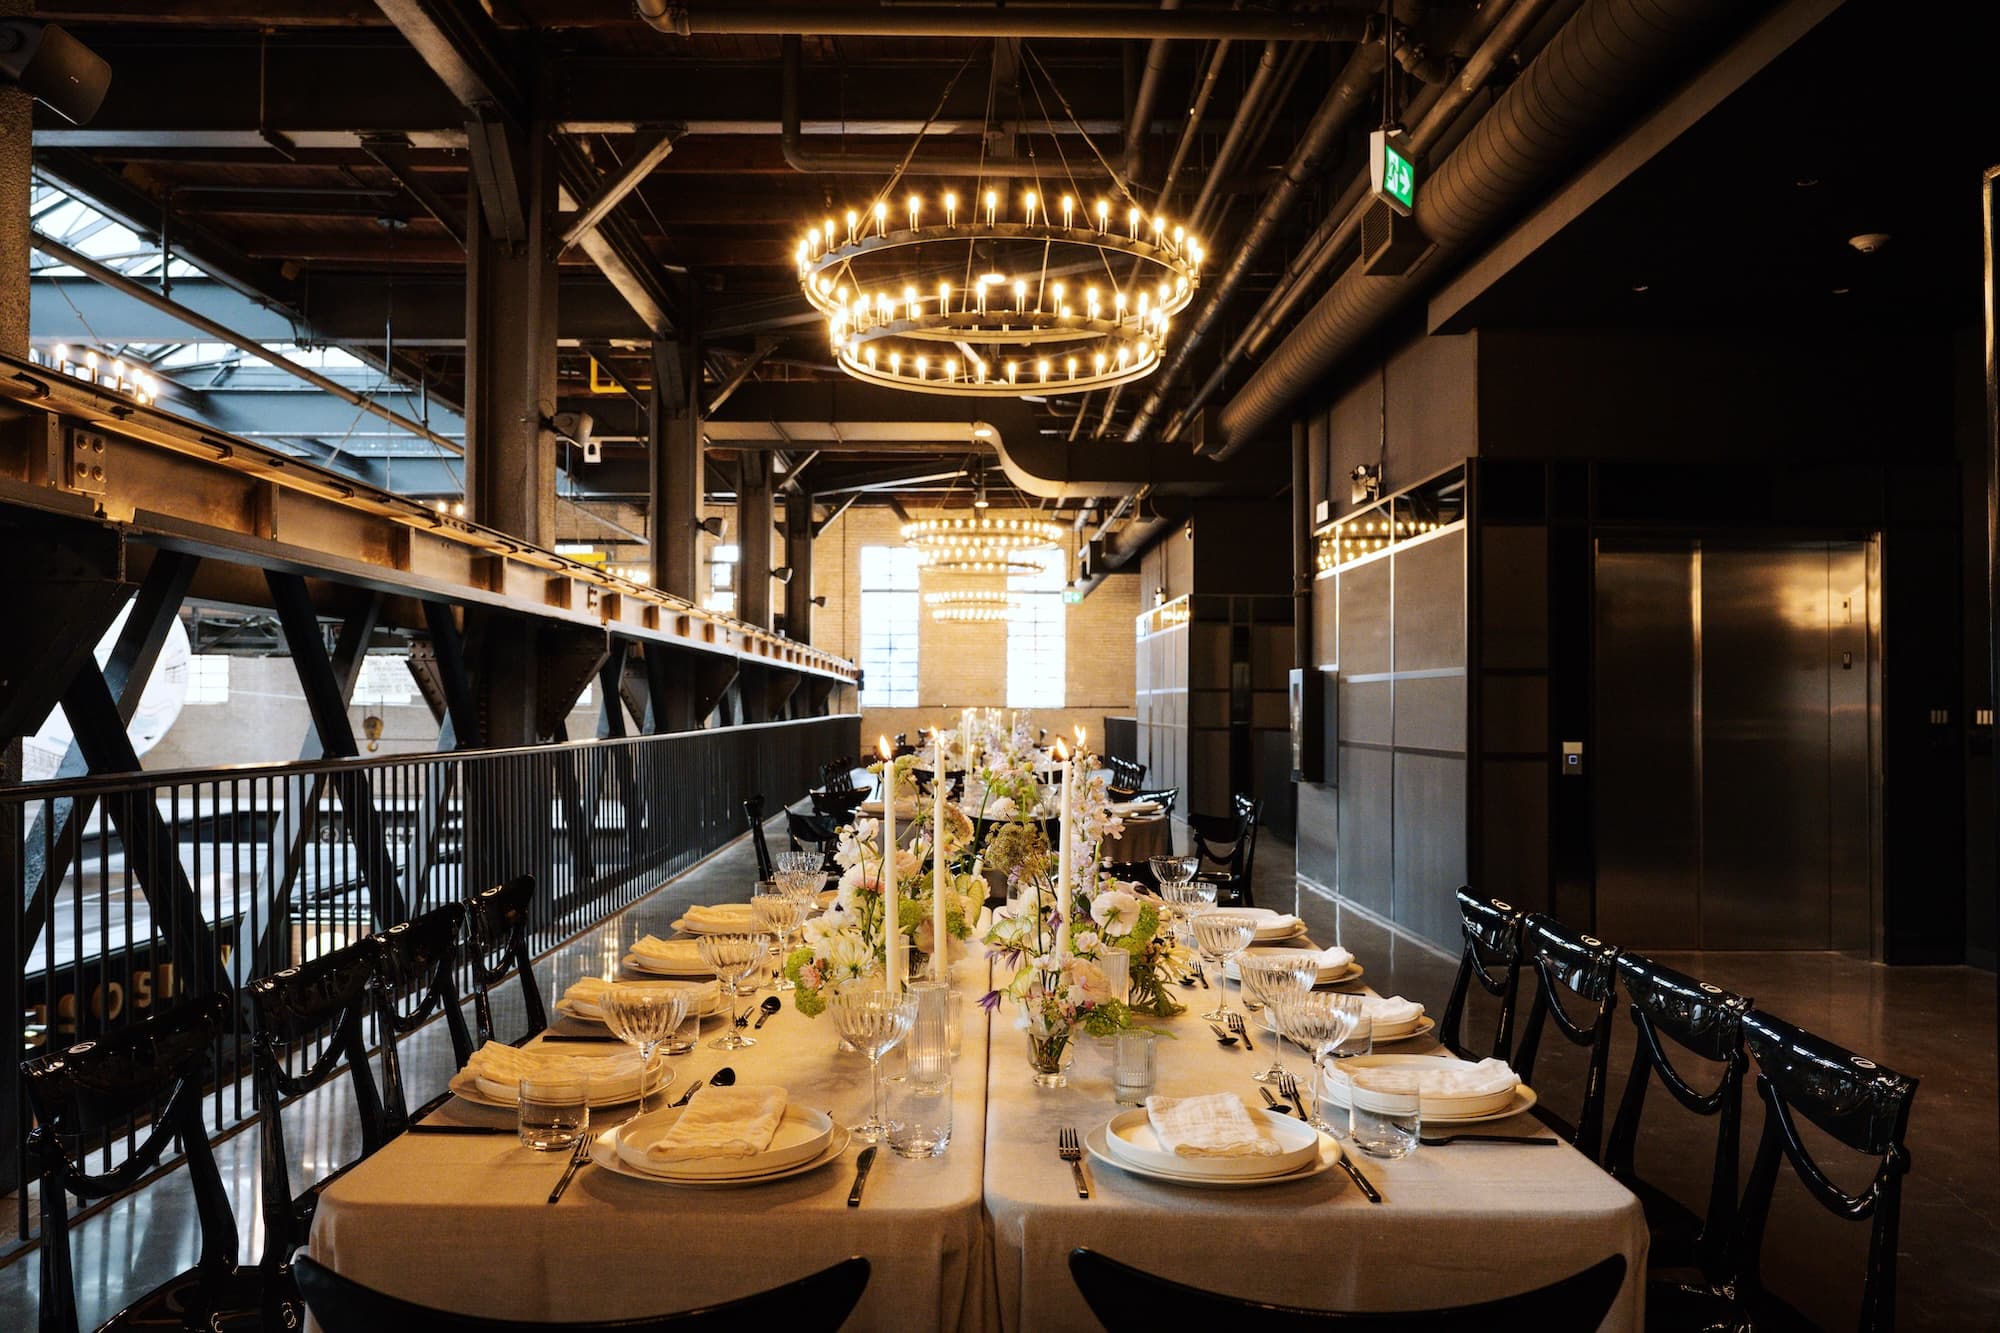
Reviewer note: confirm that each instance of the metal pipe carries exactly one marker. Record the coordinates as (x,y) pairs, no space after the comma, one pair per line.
(1607,56)
(1254,94)
(1001,20)
(1142,102)
(1348,94)
(243,342)
(801,158)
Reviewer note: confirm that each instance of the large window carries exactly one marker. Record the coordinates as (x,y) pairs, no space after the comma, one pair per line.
(889,618)
(1035,656)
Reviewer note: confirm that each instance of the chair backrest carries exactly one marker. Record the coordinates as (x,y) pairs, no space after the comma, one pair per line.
(420,960)
(1250,811)
(1492,957)
(158,1066)
(840,804)
(819,1301)
(1706,1021)
(1130,1300)
(820,833)
(1127,777)
(332,994)
(1166,796)
(1861,1105)
(497,944)
(1567,963)
(838,776)
(753,819)
(1218,842)
(1133,872)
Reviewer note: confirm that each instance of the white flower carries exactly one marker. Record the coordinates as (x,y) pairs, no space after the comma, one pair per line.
(848,955)
(1086,941)
(1115,911)
(1088,985)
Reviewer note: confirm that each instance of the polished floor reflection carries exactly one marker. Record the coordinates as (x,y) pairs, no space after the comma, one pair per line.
(1936,1023)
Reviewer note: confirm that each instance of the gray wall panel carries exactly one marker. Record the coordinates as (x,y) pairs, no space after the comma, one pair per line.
(1430,845)
(1430,713)
(1514,582)
(1318,833)
(1365,711)
(1364,619)
(1430,603)
(1365,860)
(1514,847)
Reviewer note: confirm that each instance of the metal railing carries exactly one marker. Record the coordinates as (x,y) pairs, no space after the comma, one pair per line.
(125,894)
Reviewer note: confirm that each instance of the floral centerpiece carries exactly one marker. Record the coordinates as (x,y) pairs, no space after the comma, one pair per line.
(847,941)
(1060,993)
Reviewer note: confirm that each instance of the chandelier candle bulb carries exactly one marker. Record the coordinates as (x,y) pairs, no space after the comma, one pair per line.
(1103,215)
(1068,206)
(1029,201)
(992,204)
(1132,218)
(950,209)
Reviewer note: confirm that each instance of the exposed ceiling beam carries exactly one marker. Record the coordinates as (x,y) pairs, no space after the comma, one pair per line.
(460,43)
(653,150)
(392,153)
(888,478)
(744,369)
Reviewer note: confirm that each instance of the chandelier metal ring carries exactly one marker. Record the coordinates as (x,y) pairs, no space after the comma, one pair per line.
(970,605)
(1046,360)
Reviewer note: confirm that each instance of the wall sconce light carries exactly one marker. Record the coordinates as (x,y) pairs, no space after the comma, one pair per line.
(783,573)
(818,601)
(1366,484)
(714,525)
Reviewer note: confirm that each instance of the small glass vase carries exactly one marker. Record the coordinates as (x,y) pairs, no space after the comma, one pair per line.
(1048,1055)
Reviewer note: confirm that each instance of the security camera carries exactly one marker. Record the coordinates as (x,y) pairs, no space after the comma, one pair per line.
(54,68)
(576,427)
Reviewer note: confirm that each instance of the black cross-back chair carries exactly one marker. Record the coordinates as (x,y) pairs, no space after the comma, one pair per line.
(1492,958)
(1587,968)
(497,939)
(818,833)
(954,782)
(1166,796)
(332,994)
(753,819)
(838,776)
(839,805)
(1127,777)
(420,960)
(1860,1105)
(1672,1011)
(1222,846)
(817,1302)
(1130,1300)
(158,1066)
(1134,872)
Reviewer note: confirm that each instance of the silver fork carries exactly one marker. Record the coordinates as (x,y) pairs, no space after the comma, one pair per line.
(1289,1086)
(1236,1025)
(577,1158)
(1070,1149)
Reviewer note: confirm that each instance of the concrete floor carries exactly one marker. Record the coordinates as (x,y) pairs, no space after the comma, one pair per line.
(1936,1023)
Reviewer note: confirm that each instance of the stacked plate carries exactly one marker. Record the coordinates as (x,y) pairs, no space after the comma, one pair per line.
(1129,1143)
(805,1140)
(1272,927)
(1396,1019)
(1328,974)
(1135,809)
(719,919)
(668,958)
(1439,1107)
(705,995)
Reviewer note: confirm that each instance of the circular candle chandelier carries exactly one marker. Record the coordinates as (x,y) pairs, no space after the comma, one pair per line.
(997,293)
(982,544)
(970,606)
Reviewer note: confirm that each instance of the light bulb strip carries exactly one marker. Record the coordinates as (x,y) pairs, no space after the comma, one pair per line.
(1111,360)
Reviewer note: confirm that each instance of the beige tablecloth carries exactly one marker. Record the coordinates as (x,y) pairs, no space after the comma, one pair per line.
(463,1223)
(1141,839)
(1458,1224)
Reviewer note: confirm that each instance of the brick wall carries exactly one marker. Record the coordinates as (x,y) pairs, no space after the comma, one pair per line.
(965,666)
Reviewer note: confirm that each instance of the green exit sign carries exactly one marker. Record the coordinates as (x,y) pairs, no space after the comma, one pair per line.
(1392,172)
(1072,595)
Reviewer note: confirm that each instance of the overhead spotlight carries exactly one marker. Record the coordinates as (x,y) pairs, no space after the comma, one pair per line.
(714,525)
(782,573)
(54,68)
(979,500)
(1365,484)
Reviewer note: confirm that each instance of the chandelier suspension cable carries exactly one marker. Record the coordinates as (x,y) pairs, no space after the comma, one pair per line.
(1103,259)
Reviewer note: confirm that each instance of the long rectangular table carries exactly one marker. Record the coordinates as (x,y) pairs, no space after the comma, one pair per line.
(978,1239)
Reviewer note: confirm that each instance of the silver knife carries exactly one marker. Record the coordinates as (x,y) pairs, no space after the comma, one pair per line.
(1354,1174)
(861,1165)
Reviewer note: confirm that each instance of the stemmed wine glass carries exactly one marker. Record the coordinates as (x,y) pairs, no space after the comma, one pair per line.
(1273,979)
(643,1016)
(1320,1021)
(732,958)
(1221,936)
(873,1021)
(1168,870)
(781,914)
(795,861)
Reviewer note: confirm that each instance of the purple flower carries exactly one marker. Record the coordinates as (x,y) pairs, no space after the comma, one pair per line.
(990,1001)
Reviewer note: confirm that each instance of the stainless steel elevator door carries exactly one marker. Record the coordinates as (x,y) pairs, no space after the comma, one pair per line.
(1735,783)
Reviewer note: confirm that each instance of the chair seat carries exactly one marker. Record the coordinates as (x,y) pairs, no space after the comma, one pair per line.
(235,1305)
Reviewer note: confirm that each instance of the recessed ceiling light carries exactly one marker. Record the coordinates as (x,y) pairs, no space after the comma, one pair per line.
(1868,242)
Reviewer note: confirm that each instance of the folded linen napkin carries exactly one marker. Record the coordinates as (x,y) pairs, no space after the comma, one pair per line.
(1390,1011)
(721,917)
(681,955)
(584,994)
(1333,959)
(723,1122)
(1214,1125)
(1454,1079)
(500,1066)
(1134,807)
(1276,923)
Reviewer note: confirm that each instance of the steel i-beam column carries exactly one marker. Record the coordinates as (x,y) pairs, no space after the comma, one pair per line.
(753,536)
(510,354)
(676,457)
(799,555)
(16,157)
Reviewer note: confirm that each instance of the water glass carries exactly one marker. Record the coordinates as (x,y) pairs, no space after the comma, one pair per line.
(1221,936)
(919,1115)
(644,1016)
(1135,1067)
(734,959)
(687,1034)
(1117,965)
(554,1111)
(1386,1108)
(927,1050)
(874,1021)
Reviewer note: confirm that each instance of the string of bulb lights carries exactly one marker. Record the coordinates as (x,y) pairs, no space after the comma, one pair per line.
(106,372)
(1026,315)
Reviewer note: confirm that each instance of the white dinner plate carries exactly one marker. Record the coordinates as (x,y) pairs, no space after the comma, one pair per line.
(1453,1110)
(801,1135)
(480,1092)
(1329,1157)
(604,1153)
(654,967)
(1421,1028)
(1130,1138)
(591,1014)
